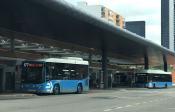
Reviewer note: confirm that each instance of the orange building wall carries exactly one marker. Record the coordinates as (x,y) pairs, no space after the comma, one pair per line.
(113,17)
(121,22)
(173,76)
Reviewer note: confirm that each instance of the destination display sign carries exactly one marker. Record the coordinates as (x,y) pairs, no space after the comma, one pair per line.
(32,65)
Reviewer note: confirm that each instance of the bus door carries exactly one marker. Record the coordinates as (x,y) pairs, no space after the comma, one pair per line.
(77,74)
(69,83)
(61,72)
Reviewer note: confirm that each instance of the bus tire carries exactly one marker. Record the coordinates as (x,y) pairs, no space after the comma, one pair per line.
(79,88)
(166,85)
(56,89)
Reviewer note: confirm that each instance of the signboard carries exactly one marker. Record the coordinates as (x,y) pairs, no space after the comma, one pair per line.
(32,65)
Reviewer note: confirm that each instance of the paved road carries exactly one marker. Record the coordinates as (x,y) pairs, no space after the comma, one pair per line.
(136,100)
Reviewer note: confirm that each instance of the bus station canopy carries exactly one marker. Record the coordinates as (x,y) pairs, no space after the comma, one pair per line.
(60,21)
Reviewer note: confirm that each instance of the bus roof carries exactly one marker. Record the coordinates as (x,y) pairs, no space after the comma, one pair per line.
(153,72)
(65,60)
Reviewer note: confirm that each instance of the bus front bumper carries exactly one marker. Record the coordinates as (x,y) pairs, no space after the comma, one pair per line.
(37,90)
(44,91)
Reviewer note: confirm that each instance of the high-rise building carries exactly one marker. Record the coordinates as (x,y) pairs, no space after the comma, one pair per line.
(167,24)
(103,13)
(137,27)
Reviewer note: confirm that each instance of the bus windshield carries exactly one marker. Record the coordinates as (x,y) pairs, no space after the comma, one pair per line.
(32,73)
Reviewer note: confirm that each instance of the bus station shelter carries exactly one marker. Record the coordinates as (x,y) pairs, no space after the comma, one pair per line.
(57,23)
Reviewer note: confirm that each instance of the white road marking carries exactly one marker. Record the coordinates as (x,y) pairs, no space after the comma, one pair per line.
(128,105)
(137,103)
(171,108)
(111,109)
(107,110)
(118,107)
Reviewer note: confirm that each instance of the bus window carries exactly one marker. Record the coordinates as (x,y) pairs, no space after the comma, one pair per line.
(57,71)
(32,73)
(78,71)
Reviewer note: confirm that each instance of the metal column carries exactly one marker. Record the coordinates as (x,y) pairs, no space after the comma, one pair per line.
(12,44)
(165,63)
(104,67)
(90,58)
(3,78)
(146,60)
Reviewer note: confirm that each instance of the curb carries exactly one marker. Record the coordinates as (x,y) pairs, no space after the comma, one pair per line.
(16,96)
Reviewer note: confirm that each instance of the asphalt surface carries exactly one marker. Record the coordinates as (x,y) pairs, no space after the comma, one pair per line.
(14,96)
(122,100)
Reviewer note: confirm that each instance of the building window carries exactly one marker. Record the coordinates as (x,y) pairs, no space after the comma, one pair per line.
(103,14)
(103,9)
(110,13)
(117,21)
(117,16)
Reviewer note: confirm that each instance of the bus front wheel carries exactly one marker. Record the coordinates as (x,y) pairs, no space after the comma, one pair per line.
(79,89)
(56,89)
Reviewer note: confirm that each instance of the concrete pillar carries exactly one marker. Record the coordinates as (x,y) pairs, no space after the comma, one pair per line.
(12,44)
(1,78)
(165,66)
(104,67)
(4,78)
(90,58)
(146,60)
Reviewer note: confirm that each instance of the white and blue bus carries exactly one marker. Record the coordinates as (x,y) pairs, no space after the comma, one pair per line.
(153,78)
(55,75)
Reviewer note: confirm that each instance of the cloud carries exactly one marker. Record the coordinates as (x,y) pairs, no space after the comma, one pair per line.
(153,33)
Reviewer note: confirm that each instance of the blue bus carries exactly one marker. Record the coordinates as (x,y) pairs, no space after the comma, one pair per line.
(55,75)
(153,79)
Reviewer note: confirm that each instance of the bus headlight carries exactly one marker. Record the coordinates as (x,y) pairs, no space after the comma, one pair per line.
(150,85)
(48,86)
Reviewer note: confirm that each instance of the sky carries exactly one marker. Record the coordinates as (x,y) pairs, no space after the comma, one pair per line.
(135,10)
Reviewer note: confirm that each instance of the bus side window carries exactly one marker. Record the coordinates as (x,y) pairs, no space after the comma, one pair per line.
(66,75)
(48,73)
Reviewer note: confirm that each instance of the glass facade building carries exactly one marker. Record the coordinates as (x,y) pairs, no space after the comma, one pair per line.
(167,24)
(137,27)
